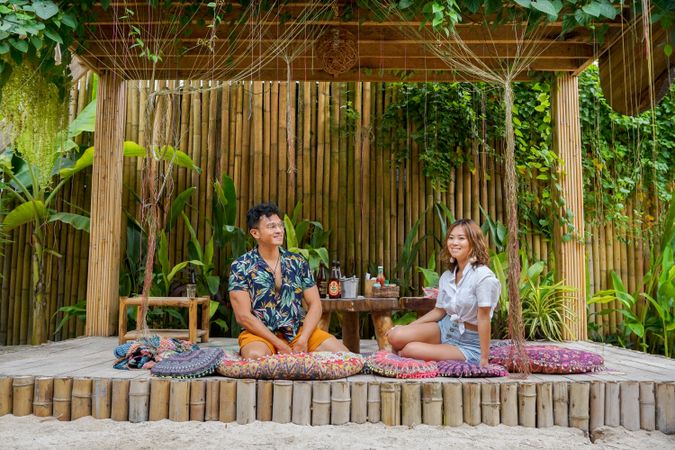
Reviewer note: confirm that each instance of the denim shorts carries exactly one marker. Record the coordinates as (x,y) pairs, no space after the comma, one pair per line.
(468,342)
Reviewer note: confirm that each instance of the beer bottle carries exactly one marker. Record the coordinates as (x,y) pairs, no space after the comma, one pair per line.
(322,281)
(334,288)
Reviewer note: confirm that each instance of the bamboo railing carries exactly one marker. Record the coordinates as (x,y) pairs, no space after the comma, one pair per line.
(344,180)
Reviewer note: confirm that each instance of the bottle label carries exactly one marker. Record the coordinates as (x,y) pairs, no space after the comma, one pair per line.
(323,288)
(334,288)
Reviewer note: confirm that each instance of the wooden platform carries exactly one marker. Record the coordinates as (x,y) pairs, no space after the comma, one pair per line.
(75,378)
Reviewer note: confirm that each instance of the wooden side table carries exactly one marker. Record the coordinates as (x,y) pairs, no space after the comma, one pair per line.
(191,334)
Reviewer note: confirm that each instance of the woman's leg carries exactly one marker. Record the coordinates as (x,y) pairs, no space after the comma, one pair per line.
(401,336)
(432,352)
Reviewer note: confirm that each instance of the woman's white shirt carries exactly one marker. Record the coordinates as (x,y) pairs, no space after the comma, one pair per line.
(478,287)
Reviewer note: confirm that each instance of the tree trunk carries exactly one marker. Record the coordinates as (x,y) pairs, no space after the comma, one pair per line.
(39,331)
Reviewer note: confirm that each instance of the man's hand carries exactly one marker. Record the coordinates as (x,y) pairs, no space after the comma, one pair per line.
(300,345)
(484,362)
(282,347)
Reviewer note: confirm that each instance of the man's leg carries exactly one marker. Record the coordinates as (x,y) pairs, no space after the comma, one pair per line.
(252,346)
(322,341)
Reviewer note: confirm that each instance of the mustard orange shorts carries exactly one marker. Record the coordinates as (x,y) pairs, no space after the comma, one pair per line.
(315,340)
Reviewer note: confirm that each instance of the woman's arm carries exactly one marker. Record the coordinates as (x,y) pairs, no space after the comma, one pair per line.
(434,315)
(484,334)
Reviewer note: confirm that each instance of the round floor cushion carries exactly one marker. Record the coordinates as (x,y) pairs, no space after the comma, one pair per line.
(551,359)
(463,369)
(391,365)
(295,366)
(196,363)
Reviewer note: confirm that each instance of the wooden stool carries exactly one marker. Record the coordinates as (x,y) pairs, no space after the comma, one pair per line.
(191,334)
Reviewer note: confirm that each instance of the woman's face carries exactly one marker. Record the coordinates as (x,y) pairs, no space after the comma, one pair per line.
(458,244)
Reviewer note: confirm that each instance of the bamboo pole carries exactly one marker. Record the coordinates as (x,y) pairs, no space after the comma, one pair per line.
(597,393)
(197,400)
(281,404)
(374,402)
(81,398)
(257,150)
(283,148)
(179,400)
(647,406)
(544,405)
(359,404)
(100,398)
(471,394)
(264,400)
(527,402)
(340,402)
(302,403)
(630,405)
(121,399)
(453,406)
(665,407)
(320,403)
(245,401)
(227,410)
(579,405)
(63,387)
(390,397)
(508,397)
(139,400)
(212,399)
(5,395)
(159,399)
(411,403)
(274,141)
(490,404)
(612,406)
(42,396)
(432,403)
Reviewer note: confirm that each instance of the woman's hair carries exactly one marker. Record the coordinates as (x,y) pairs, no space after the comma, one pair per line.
(477,243)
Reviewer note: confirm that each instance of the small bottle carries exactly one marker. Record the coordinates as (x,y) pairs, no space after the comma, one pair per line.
(380,276)
(334,288)
(322,281)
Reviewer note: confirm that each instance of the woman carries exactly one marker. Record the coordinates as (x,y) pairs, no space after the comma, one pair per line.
(459,326)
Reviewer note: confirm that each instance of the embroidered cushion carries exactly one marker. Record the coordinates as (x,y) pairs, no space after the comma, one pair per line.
(196,363)
(463,369)
(145,352)
(391,365)
(549,359)
(295,366)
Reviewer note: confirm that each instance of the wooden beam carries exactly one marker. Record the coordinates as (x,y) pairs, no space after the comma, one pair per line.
(106,207)
(570,253)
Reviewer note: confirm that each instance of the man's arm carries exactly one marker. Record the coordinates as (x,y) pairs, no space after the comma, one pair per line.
(241,305)
(311,296)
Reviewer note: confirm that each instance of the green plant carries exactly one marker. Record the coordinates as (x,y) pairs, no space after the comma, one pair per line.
(307,238)
(429,273)
(77,311)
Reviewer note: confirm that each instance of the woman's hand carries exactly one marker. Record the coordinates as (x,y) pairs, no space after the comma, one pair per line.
(484,362)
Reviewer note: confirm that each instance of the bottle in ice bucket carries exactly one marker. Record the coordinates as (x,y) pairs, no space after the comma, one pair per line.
(380,276)
(334,290)
(322,281)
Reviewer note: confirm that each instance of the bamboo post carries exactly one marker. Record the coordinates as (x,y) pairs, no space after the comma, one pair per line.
(42,396)
(179,400)
(106,207)
(391,403)
(264,400)
(490,404)
(63,387)
(281,403)
(100,398)
(340,403)
(5,395)
(139,400)
(630,405)
(508,396)
(159,399)
(320,403)
(665,407)
(81,398)
(245,401)
(612,407)
(120,400)
(197,400)
(359,397)
(302,403)
(527,403)
(22,395)
(597,405)
(544,405)
(432,403)
(647,406)
(471,394)
(560,404)
(411,403)
(212,399)
(374,402)
(579,405)
(227,403)
(453,409)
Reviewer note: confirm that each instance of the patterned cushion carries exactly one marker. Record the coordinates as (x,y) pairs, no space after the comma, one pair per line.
(391,365)
(146,352)
(463,369)
(295,366)
(196,363)
(549,359)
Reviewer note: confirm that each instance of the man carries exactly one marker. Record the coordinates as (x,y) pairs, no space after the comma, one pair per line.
(267,287)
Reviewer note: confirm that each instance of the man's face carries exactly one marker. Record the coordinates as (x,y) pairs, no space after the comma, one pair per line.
(269,231)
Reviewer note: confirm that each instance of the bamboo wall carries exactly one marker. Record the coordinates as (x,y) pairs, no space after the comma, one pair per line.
(344,180)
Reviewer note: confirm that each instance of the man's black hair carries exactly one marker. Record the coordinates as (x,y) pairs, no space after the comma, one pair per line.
(261,209)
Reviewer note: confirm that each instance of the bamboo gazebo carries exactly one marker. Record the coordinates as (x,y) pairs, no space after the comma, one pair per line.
(383,49)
